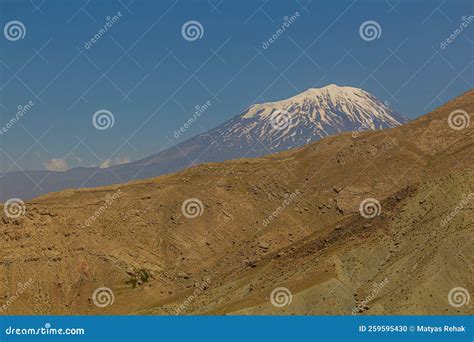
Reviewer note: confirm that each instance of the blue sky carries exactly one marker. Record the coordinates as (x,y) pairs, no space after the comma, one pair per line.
(144,72)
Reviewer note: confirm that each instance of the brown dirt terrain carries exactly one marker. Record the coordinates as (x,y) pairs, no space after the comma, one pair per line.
(287,220)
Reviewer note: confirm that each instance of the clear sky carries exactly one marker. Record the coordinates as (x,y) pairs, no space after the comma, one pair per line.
(151,78)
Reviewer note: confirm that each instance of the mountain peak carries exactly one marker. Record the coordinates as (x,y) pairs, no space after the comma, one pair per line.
(334,86)
(311,92)
(343,103)
(332,90)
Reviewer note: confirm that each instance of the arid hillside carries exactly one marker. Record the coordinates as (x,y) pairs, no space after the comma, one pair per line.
(358,223)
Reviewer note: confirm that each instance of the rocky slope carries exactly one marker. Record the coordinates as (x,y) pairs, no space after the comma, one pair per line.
(262,129)
(373,223)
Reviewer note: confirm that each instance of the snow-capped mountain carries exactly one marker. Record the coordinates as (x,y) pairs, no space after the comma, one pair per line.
(309,116)
(262,129)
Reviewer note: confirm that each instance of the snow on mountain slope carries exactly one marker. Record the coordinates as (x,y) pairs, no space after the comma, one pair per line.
(306,117)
